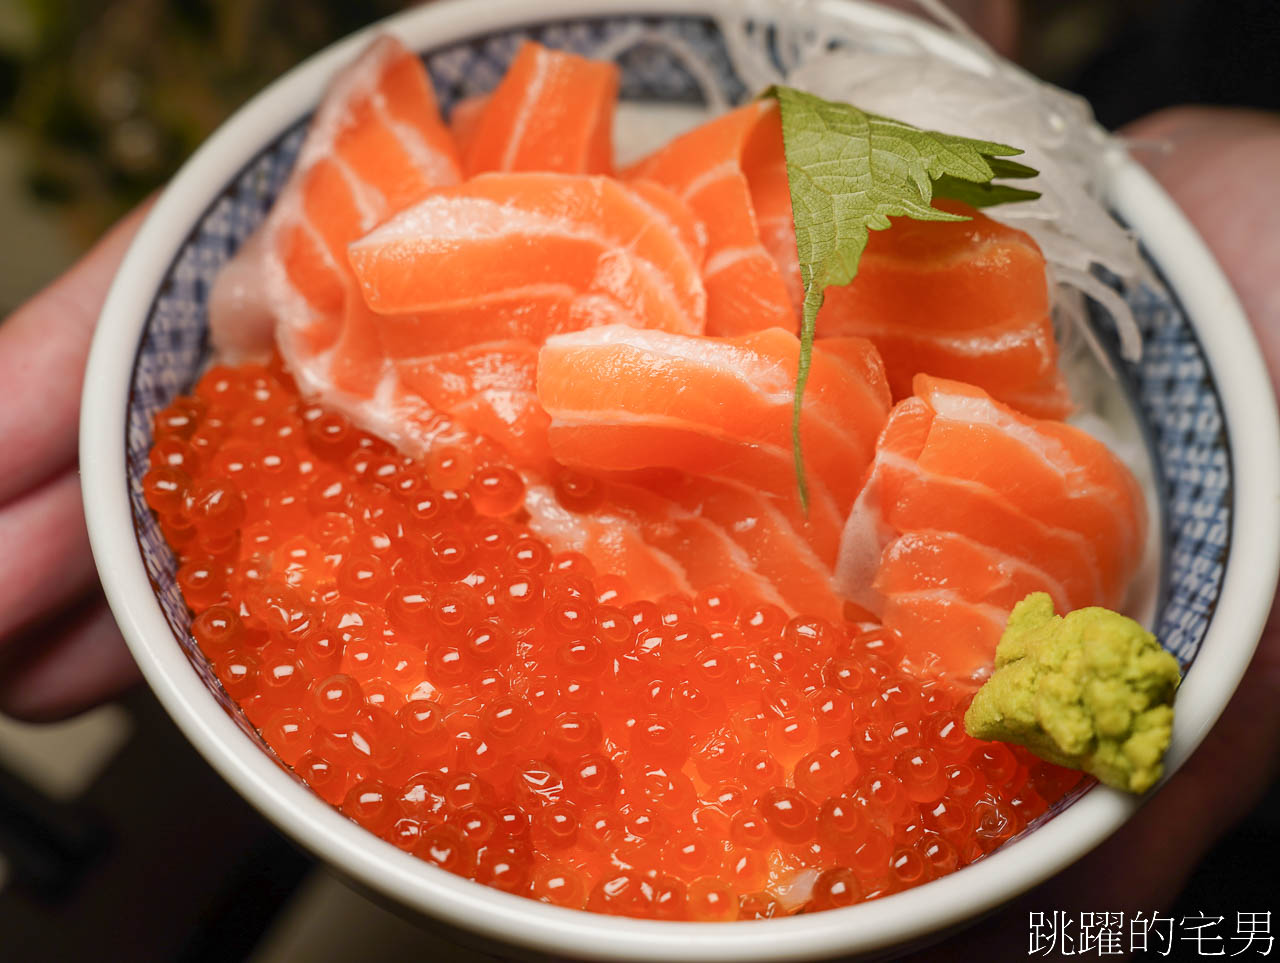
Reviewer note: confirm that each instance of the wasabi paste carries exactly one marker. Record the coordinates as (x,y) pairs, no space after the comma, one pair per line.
(1092,690)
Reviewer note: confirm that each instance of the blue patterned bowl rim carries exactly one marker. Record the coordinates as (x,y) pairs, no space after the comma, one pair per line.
(151,343)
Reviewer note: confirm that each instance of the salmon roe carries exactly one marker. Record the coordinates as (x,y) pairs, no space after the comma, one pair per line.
(437,672)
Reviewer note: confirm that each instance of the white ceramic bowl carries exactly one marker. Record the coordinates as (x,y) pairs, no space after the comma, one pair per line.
(1200,387)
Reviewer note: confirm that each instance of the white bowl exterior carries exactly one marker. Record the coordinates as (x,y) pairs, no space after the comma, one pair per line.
(1248,585)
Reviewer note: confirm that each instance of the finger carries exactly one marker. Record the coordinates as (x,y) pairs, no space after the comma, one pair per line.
(1220,166)
(72,664)
(45,560)
(43,347)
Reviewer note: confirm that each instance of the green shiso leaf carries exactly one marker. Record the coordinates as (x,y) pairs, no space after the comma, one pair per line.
(980,195)
(849,172)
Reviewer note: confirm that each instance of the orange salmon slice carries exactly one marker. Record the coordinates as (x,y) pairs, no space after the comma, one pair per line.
(490,388)
(969,506)
(464,121)
(963,300)
(673,532)
(553,111)
(793,552)
(622,399)
(377,143)
(732,173)
(555,251)
(611,540)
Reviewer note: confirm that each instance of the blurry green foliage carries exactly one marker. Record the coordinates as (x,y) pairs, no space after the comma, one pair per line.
(112,95)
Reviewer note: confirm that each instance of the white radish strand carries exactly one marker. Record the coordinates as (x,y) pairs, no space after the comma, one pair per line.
(891,73)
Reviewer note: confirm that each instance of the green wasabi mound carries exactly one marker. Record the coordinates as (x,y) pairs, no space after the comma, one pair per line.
(1092,690)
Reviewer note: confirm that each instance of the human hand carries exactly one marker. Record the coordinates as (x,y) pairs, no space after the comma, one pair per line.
(60,650)
(1220,168)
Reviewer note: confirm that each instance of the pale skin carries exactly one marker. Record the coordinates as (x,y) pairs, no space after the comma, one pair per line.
(60,651)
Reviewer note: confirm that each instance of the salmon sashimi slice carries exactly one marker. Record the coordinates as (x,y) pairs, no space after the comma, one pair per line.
(792,552)
(699,534)
(464,120)
(553,111)
(971,505)
(922,562)
(532,316)
(727,171)
(536,312)
(377,143)
(563,250)
(765,167)
(705,552)
(676,215)
(622,399)
(965,300)
(925,599)
(758,519)
(488,388)
(610,540)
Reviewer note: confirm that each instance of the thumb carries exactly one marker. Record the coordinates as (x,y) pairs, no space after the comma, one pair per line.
(43,348)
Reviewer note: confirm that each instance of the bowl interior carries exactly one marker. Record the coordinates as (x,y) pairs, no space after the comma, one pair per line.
(678,60)
(1172,386)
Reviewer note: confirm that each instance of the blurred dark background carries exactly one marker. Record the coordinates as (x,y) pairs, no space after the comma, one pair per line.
(115,838)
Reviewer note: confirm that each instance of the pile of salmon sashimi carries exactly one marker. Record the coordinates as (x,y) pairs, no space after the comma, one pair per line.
(488,519)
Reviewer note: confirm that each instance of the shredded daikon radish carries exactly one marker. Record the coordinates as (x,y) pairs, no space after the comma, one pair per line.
(886,70)
(637,33)
(889,72)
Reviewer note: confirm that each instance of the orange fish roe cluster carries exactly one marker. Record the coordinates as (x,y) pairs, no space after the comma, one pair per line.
(453,685)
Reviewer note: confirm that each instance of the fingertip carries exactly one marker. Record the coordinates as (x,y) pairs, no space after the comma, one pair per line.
(1187,117)
(53,569)
(43,348)
(1189,135)
(83,663)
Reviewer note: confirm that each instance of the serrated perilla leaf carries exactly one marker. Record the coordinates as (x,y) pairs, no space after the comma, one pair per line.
(849,172)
